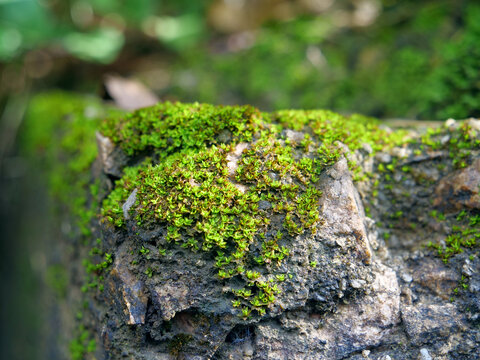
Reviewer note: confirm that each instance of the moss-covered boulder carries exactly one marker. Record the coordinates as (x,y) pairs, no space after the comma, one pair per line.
(224,232)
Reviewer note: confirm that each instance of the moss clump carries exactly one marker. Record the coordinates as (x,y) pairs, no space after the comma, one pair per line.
(464,235)
(461,143)
(220,196)
(195,198)
(210,194)
(166,128)
(96,265)
(329,127)
(458,141)
(444,149)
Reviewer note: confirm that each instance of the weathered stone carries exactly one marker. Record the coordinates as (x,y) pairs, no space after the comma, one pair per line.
(184,285)
(383,157)
(460,189)
(424,354)
(343,211)
(350,287)
(295,136)
(356,326)
(426,323)
(435,276)
(112,158)
(123,286)
(129,203)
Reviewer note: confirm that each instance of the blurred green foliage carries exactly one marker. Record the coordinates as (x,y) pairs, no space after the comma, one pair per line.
(424,64)
(60,129)
(92,30)
(414,59)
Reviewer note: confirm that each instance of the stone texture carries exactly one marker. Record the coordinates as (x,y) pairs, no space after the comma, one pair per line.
(460,189)
(111,158)
(433,275)
(185,292)
(357,288)
(355,326)
(425,323)
(125,291)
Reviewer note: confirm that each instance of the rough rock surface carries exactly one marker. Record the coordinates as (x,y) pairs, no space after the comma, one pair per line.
(186,300)
(460,189)
(385,274)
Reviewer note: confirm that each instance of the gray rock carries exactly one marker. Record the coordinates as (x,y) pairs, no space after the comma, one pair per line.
(460,189)
(294,136)
(406,277)
(184,288)
(355,326)
(129,203)
(343,211)
(383,157)
(367,148)
(112,158)
(426,323)
(264,205)
(124,291)
(424,354)
(401,152)
(340,298)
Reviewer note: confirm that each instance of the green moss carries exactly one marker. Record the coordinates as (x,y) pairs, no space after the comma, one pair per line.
(329,127)
(199,203)
(166,128)
(207,198)
(464,235)
(82,344)
(95,266)
(192,189)
(459,143)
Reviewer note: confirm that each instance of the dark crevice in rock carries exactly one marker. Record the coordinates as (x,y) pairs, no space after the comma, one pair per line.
(240,334)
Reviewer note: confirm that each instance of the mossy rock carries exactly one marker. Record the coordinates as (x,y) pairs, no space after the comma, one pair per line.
(223,219)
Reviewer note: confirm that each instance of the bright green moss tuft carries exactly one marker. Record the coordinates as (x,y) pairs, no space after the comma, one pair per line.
(329,127)
(464,235)
(459,142)
(166,127)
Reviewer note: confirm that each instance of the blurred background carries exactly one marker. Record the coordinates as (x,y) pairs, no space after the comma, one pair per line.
(385,58)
